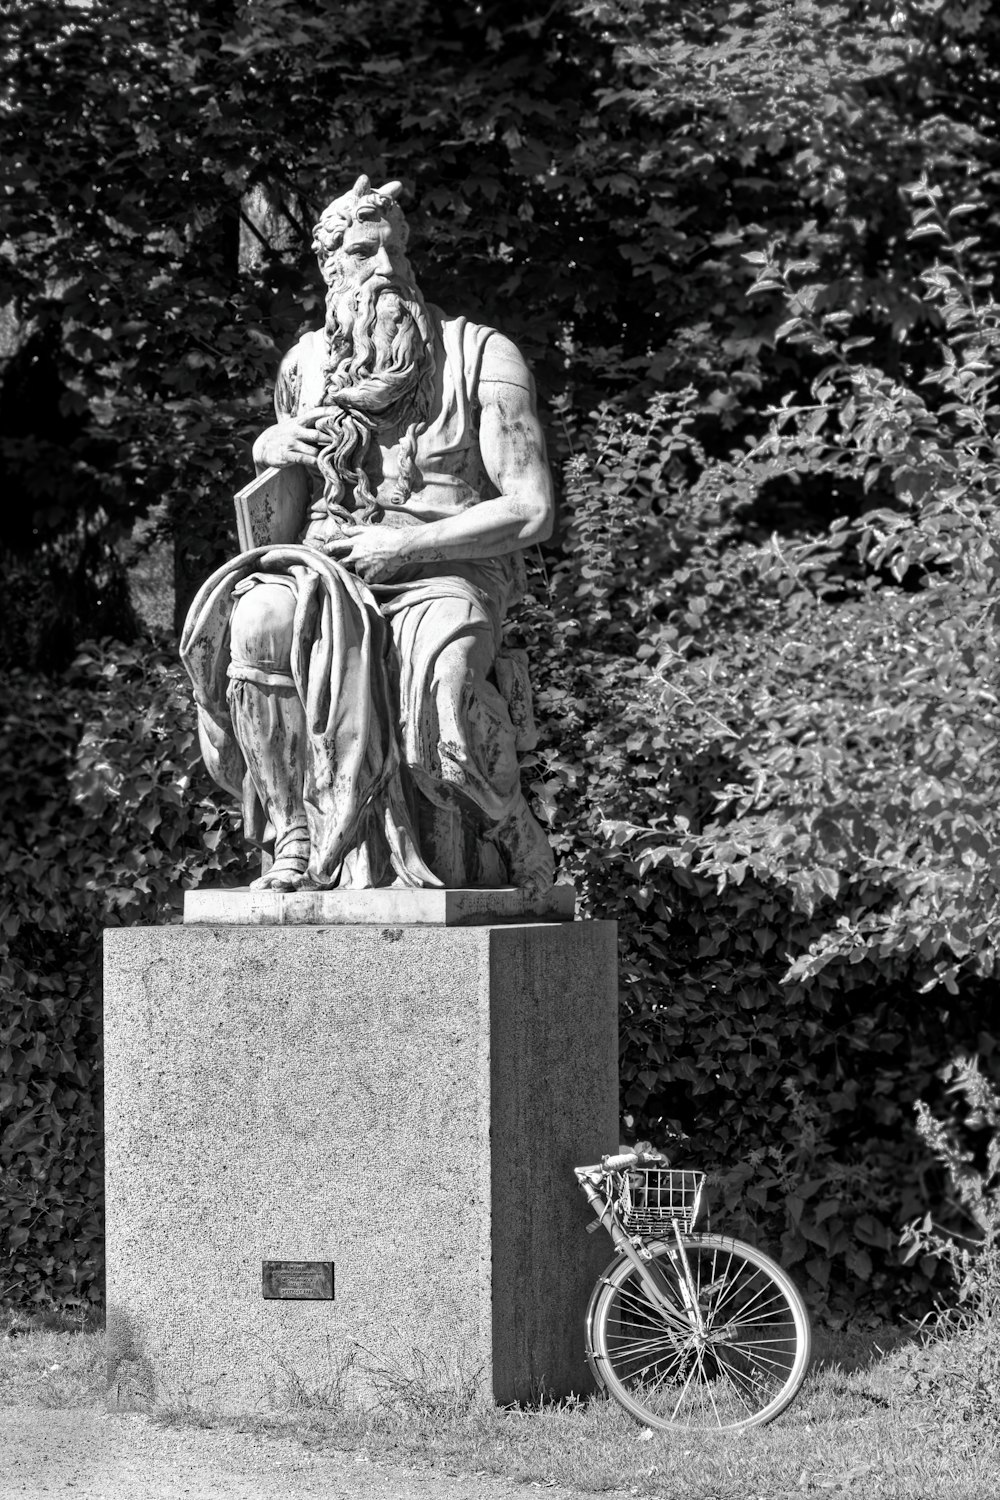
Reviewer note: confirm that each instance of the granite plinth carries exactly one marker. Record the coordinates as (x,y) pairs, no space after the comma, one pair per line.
(426,907)
(404,1102)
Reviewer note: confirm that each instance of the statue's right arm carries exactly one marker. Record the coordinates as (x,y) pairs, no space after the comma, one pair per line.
(293,438)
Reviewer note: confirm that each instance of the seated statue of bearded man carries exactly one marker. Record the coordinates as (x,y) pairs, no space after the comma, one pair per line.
(347,683)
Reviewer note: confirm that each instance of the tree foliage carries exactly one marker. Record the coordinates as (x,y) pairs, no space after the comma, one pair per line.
(140,144)
(587,176)
(792,806)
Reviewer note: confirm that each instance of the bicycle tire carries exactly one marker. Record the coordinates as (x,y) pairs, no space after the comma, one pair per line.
(742,1373)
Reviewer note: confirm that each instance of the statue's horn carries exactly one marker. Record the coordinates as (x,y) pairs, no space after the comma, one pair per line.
(362,186)
(391,190)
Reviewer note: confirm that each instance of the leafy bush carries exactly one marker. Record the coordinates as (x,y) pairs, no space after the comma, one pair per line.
(105,812)
(774,761)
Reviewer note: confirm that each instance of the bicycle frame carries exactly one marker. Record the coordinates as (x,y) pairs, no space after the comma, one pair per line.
(591,1180)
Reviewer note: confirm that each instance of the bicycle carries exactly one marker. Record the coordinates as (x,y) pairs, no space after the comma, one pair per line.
(685,1330)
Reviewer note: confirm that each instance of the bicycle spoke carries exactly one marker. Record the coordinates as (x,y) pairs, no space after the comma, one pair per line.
(684,1389)
(629,1357)
(735,1287)
(752,1355)
(644,1344)
(726,1380)
(749,1391)
(729,1376)
(639,1300)
(656,1326)
(639,1295)
(755,1304)
(708,1386)
(661,1374)
(643,1356)
(651,1379)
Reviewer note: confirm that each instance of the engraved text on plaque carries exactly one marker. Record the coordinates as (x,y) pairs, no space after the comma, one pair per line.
(304,1280)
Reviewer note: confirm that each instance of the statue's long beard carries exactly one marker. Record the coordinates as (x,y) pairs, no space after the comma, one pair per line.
(379,376)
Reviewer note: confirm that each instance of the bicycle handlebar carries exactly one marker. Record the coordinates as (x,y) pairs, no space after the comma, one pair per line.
(621,1161)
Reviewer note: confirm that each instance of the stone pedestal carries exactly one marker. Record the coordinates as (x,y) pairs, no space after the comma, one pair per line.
(404,1101)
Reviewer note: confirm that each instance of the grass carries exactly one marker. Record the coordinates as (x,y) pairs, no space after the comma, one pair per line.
(51,1360)
(890,1413)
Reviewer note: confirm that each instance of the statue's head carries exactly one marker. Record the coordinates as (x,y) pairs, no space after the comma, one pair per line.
(379,369)
(362,231)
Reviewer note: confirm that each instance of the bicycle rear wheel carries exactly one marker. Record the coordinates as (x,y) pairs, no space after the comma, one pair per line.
(744,1365)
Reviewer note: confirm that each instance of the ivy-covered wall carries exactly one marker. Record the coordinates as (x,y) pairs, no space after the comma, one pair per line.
(105,814)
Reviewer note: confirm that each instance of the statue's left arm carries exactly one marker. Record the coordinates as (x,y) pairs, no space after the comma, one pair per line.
(513,453)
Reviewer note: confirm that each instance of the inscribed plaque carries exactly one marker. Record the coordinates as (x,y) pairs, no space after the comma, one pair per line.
(303,1280)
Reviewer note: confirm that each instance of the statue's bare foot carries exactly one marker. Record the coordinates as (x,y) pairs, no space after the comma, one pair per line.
(289,872)
(284,875)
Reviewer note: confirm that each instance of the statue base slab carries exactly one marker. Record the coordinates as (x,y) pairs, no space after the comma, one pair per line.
(341,1156)
(405,905)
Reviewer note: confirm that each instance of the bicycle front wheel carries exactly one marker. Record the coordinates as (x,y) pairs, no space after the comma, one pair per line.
(722,1346)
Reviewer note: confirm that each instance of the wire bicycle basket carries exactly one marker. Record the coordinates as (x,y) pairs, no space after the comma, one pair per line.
(653,1199)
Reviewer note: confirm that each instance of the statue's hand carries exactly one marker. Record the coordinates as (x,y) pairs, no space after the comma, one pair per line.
(293,440)
(322,531)
(375,553)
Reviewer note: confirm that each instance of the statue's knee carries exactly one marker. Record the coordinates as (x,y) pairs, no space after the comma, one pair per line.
(464,663)
(262,626)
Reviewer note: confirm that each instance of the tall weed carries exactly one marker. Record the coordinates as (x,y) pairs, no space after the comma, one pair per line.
(969,1242)
(955,1371)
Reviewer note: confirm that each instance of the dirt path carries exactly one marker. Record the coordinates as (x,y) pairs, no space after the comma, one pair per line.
(91,1455)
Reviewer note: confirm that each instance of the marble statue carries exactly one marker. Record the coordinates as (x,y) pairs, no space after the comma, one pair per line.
(348,667)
